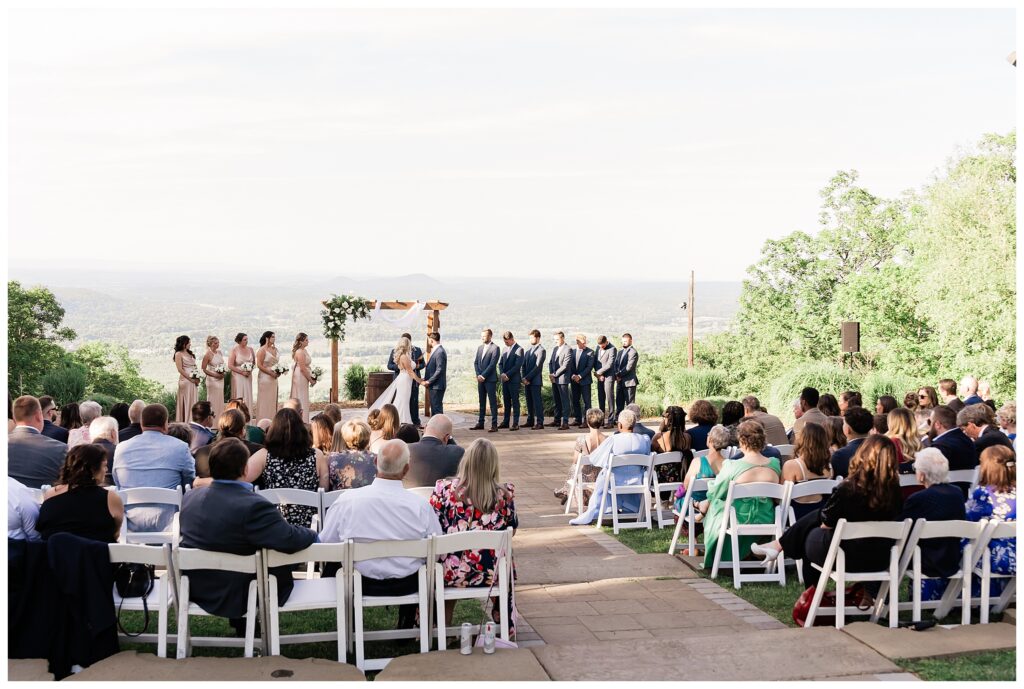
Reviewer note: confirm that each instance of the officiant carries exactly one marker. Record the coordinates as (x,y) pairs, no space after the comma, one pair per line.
(419,364)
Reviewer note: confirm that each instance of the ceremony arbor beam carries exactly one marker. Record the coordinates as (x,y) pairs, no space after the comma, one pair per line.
(433,309)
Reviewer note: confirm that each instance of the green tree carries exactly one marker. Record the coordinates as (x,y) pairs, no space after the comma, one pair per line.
(34,334)
(112,371)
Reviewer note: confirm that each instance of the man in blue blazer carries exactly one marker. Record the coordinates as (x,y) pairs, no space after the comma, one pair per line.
(486,367)
(437,375)
(418,363)
(560,372)
(511,368)
(582,378)
(228,517)
(950,440)
(625,374)
(533,380)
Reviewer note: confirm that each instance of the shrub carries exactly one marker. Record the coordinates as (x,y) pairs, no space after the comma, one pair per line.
(355,382)
(168,398)
(689,384)
(66,383)
(650,404)
(825,377)
(878,383)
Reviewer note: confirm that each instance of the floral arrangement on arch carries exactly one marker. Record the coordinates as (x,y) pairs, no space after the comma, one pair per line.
(338,310)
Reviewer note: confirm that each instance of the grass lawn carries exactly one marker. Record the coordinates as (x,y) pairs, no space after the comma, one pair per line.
(992,666)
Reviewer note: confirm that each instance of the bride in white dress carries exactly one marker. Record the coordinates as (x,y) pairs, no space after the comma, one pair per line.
(399,393)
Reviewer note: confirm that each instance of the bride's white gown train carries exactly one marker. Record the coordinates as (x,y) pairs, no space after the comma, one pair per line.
(399,393)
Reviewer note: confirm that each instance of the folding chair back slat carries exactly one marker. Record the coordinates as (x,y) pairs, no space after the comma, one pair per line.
(379,549)
(317,552)
(687,517)
(291,496)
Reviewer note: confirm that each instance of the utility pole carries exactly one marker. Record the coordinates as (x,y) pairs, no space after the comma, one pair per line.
(689,313)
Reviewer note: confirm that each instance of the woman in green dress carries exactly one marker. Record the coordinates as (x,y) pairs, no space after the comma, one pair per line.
(753,467)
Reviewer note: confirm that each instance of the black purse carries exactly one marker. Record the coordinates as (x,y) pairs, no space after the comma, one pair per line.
(132,580)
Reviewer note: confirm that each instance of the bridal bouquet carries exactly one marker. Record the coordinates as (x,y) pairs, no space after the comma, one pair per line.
(195,375)
(247,366)
(317,373)
(280,368)
(220,369)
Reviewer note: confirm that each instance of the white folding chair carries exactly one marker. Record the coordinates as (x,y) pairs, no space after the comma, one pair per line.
(132,497)
(969,476)
(733,529)
(159,598)
(983,568)
(834,569)
(192,559)
(785,450)
(818,486)
(423,491)
(360,552)
(688,517)
(577,485)
(310,594)
(294,496)
(925,530)
(664,459)
(614,490)
(327,498)
(498,541)
(907,480)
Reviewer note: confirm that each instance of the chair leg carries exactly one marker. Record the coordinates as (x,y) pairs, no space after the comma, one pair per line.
(799,564)
(182,645)
(615,511)
(737,574)
(442,633)
(161,643)
(250,621)
(503,598)
(424,612)
(965,596)
(275,617)
(1007,595)
(986,585)
(916,583)
(840,600)
(341,611)
(677,533)
(717,561)
(357,626)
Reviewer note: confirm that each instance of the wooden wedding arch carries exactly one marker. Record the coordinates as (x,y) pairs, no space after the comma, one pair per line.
(433,309)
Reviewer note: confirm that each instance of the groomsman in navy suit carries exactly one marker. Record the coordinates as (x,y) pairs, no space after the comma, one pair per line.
(533,379)
(625,374)
(604,369)
(582,380)
(436,375)
(560,371)
(511,367)
(418,364)
(486,366)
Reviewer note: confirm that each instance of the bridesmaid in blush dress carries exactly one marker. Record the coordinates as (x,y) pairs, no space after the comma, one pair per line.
(214,381)
(301,375)
(241,381)
(188,387)
(266,395)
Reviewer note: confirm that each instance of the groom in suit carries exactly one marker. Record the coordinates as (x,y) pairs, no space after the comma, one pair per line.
(436,375)
(604,369)
(560,371)
(533,379)
(486,366)
(582,380)
(510,365)
(625,374)
(418,364)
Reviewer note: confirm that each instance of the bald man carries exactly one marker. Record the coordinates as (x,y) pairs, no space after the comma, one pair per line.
(435,456)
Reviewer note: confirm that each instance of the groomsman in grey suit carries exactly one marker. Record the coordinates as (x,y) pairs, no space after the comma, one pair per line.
(583,365)
(625,374)
(436,375)
(560,371)
(486,366)
(418,364)
(604,370)
(511,367)
(533,379)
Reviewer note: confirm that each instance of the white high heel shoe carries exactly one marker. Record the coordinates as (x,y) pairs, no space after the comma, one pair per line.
(768,554)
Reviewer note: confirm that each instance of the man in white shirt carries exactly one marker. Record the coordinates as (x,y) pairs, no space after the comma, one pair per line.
(22,512)
(385,511)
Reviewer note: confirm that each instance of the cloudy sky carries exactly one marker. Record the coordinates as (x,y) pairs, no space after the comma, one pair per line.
(543,144)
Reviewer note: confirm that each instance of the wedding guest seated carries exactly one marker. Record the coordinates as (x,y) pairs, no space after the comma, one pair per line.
(373,420)
(672,437)
(230,425)
(409,433)
(1007,417)
(809,398)
(753,467)
(995,499)
(227,517)
(389,424)
(332,412)
(70,417)
(774,430)
(732,412)
(350,463)
(707,466)
(103,432)
(586,443)
(385,511)
(836,434)
(51,429)
(639,427)
(885,404)
(829,405)
(22,512)
(435,456)
(903,431)
(475,500)
(947,437)
(263,425)
(705,416)
(120,413)
(134,426)
(848,400)
(811,460)
(294,404)
(939,501)
(78,504)
(201,425)
(857,424)
(88,412)
(152,460)
(879,424)
(180,431)
(322,432)
(623,442)
(253,432)
(979,424)
(289,460)
(870,492)
(10,415)
(32,459)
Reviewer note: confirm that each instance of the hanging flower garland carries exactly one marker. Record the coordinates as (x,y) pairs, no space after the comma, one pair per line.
(338,310)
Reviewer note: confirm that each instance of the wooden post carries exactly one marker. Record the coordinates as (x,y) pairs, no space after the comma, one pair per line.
(689,313)
(334,370)
(426,354)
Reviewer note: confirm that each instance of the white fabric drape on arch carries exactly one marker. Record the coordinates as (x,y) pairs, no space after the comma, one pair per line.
(403,318)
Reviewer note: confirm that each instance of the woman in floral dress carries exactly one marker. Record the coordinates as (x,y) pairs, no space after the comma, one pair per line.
(475,499)
(350,464)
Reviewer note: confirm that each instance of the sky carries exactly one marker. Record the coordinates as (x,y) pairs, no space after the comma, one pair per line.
(536,144)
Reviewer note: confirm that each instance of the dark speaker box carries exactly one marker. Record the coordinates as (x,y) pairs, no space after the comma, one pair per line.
(851,337)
